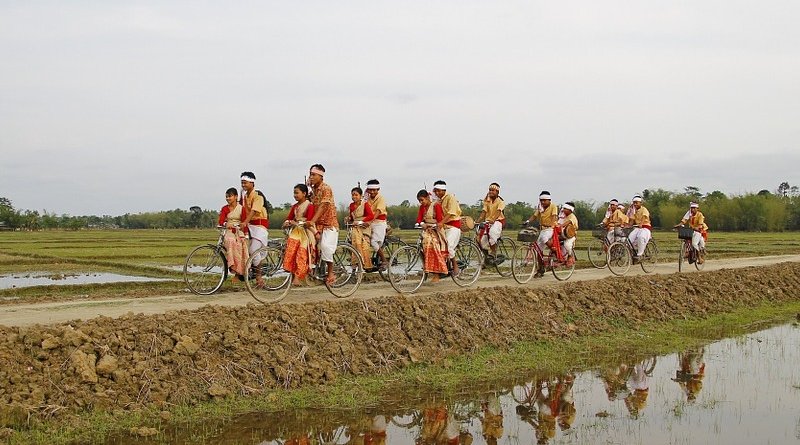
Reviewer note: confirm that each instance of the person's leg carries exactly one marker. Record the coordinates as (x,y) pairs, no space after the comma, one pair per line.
(376,240)
(327,246)
(453,235)
(495,232)
(569,246)
(696,238)
(643,238)
(634,238)
(545,235)
(610,236)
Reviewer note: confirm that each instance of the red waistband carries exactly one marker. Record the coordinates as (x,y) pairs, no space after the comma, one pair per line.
(260,222)
(454,223)
(646,227)
(381,217)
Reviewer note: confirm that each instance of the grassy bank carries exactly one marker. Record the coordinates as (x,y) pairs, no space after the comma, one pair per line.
(488,366)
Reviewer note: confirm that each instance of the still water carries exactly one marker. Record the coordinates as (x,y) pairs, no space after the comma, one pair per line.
(50,279)
(743,390)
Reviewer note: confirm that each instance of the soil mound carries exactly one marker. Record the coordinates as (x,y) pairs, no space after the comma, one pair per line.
(188,356)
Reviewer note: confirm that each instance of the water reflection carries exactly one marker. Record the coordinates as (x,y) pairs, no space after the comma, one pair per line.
(61,279)
(749,393)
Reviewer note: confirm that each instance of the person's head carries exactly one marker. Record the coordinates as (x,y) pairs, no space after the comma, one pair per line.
(693,208)
(613,204)
(248,181)
(373,188)
(494,191)
(440,188)
(231,195)
(636,202)
(424,197)
(300,192)
(545,199)
(621,208)
(568,208)
(357,194)
(316,174)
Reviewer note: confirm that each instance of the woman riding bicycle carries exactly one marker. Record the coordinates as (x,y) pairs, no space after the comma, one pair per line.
(235,239)
(301,243)
(694,217)
(434,244)
(361,232)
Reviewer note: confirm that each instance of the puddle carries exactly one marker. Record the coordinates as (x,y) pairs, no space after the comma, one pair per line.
(63,279)
(740,390)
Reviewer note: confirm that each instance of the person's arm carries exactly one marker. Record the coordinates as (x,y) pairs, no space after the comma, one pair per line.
(290,218)
(368,214)
(439,214)
(420,214)
(481,216)
(536,214)
(223,215)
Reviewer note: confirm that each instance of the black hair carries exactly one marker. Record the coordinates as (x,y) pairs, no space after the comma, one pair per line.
(373,182)
(250,174)
(357,189)
(494,183)
(570,203)
(303,188)
(267,205)
(231,192)
(544,192)
(440,182)
(423,194)
(319,166)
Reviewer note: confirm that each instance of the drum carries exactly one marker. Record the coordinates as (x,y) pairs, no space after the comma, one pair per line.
(467,223)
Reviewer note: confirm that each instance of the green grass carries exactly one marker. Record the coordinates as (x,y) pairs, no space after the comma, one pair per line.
(452,377)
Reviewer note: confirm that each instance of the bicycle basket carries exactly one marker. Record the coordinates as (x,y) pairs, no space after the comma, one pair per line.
(528,235)
(685,232)
(599,232)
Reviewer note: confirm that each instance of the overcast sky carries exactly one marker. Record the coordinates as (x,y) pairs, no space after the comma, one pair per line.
(111,107)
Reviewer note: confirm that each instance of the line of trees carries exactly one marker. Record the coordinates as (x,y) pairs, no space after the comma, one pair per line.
(766,211)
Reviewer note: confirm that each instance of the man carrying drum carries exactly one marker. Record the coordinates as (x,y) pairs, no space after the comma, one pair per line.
(492,213)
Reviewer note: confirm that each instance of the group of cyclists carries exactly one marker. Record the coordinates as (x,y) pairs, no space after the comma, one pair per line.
(313,227)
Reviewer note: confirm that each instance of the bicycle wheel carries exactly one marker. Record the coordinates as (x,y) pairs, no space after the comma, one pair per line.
(562,271)
(406,269)
(205,269)
(503,256)
(524,263)
(683,251)
(275,281)
(389,247)
(649,258)
(348,271)
(619,258)
(470,260)
(597,252)
(698,265)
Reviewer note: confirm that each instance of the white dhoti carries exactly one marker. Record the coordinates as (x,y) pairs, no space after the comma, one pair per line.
(639,238)
(378,234)
(453,236)
(327,243)
(491,236)
(615,234)
(698,242)
(258,239)
(569,247)
(545,235)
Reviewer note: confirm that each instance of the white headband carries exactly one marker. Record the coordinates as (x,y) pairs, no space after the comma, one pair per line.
(621,207)
(694,205)
(440,187)
(248,178)
(636,199)
(373,187)
(544,196)
(568,207)
(317,171)
(613,201)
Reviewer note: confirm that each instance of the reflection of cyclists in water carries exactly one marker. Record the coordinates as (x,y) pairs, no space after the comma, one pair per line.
(492,420)
(555,403)
(439,427)
(691,372)
(639,388)
(369,431)
(615,381)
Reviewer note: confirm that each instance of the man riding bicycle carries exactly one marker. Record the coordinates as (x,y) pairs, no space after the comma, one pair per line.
(492,213)
(379,224)
(697,222)
(614,220)
(641,234)
(547,214)
(569,230)
(255,222)
(452,220)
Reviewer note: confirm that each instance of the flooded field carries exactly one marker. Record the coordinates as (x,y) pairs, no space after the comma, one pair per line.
(31,279)
(738,390)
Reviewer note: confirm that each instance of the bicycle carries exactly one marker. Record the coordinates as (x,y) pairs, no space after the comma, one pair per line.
(503,253)
(687,252)
(390,244)
(621,252)
(206,266)
(276,281)
(528,255)
(407,265)
(597,250)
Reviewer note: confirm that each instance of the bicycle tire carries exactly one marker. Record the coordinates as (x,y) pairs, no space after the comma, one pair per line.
(205,269)
(407,270)
(503,256)
(524,263)
(389,247)
(597,252)
(649,258)
(699,266)
(277,281)
(619,258)
(563,271)
(348,270)
(470,261)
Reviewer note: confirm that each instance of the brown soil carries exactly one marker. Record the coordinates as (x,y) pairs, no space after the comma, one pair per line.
(137,361)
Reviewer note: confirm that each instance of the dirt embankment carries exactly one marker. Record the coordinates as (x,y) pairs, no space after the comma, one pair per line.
(189,356)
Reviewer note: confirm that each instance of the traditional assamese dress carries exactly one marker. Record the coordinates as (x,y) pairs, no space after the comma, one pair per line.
(301,243)
(434,246)
(235,241)
(361,234)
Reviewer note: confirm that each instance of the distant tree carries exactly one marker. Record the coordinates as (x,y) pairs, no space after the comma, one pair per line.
(764,192)
(405,203)
(692,191)
(286,205)
(715,196)
(783,189)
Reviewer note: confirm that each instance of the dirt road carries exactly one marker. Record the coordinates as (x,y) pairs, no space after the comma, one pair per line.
(57,312)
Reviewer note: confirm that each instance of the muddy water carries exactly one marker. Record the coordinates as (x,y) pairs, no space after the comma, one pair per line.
(739,390)
(49,279)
